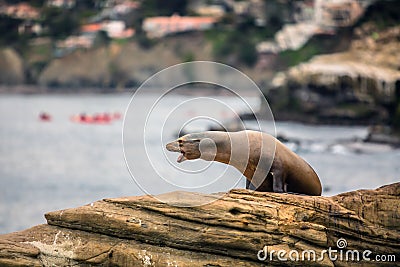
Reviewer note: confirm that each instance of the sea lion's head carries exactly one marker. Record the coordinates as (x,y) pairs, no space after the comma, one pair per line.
(195,146)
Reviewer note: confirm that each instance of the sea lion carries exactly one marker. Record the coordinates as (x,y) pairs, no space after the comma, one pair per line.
(267,164)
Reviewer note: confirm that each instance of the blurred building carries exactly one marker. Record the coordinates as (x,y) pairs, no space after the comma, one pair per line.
(209,10)
(338,13)
(156,27)
(62,3)
(21,10)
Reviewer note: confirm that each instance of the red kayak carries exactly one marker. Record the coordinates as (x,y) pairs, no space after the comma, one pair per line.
(98,118)
(89,119)
(44,116)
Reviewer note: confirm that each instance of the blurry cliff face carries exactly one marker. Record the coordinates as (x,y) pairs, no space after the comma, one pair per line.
(11,67)
(122,65)
(358,85)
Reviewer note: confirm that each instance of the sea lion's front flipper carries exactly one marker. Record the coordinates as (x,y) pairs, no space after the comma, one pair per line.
(249,185)
(278,183)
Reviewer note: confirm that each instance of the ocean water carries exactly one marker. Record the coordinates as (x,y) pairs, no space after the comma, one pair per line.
(60,164)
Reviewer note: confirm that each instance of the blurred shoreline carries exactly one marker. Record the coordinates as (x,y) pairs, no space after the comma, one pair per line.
(43,90)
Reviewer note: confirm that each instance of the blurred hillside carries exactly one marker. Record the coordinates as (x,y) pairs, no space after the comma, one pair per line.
(111,45)
(44,41)
(118,43)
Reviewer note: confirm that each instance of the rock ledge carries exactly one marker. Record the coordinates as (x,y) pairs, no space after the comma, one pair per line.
(140,231)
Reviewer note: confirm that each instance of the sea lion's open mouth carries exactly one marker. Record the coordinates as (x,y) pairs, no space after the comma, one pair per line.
(181,157)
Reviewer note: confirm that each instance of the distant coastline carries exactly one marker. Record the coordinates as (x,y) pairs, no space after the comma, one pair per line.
(37,90)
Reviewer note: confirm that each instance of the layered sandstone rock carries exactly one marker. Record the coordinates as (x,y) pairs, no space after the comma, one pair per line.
(230,231)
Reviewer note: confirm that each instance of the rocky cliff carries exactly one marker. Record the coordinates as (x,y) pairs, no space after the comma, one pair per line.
(11,67)
(360,85)
(238,228)
(122,65)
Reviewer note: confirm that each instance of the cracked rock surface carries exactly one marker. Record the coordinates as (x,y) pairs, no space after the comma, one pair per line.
(141,231)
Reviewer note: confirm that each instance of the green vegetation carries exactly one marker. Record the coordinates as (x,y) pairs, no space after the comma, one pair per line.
(395,111)
(101,39)
(384,14)
(292,58)
(120,41)
(188,57)
(237,42)
(37,3)
(9,30)
(320,44)
(360,110)
(61,22)
(163,8)
(143,41)
(396,120)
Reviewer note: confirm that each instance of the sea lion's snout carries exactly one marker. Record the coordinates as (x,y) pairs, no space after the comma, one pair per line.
(187,145)
(173,146)
(176,146)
